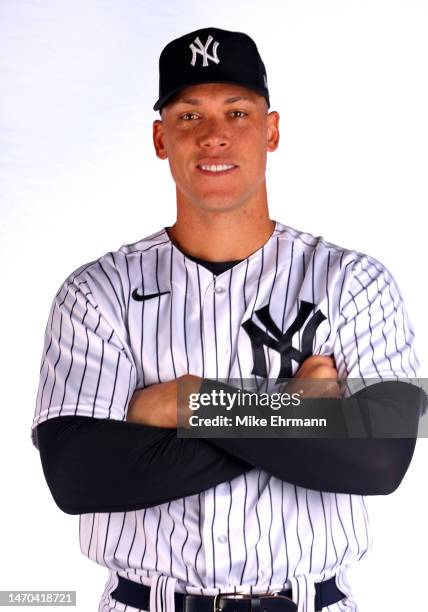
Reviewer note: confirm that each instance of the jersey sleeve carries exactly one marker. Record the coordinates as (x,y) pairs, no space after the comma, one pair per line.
(375,338)
(86,367)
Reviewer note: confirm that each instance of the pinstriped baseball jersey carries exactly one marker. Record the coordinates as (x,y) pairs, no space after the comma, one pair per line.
(254,532)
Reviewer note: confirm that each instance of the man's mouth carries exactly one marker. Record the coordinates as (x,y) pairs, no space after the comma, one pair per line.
(216,169)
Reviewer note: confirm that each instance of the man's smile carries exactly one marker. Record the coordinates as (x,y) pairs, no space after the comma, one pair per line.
(216,166)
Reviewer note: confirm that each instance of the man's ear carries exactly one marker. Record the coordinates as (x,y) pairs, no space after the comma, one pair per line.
(272,130)
(159,139)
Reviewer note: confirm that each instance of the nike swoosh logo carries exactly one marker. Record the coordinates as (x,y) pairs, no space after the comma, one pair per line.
(147,296)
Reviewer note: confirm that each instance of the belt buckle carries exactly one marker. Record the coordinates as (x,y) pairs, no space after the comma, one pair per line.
(268,595)
(231,595)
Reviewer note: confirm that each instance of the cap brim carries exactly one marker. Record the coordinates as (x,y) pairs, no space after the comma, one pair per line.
(162,101)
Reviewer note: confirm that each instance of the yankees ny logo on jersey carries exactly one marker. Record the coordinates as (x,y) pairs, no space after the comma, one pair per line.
(282,342)
(203,50)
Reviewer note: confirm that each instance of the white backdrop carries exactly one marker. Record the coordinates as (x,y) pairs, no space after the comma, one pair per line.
(79,177)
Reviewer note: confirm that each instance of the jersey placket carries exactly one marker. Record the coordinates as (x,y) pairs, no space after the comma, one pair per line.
(215,325)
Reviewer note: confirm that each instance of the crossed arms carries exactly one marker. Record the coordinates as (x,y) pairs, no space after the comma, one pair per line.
(106,465)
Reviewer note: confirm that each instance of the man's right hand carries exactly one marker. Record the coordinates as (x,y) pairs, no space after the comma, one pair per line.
(316,377)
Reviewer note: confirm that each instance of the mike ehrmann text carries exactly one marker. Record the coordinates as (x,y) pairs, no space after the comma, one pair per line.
(252,421)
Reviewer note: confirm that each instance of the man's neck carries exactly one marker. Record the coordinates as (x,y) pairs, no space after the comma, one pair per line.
(221,236)
(222,241)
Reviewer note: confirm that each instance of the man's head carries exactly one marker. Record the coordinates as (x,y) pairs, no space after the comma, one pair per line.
(214,118)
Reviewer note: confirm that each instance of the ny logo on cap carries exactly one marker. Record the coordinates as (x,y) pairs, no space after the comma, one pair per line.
(203,50)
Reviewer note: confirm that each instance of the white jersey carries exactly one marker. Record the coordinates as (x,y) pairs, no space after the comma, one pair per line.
(254,532)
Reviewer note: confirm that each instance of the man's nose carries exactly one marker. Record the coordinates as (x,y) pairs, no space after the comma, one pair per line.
(215,134)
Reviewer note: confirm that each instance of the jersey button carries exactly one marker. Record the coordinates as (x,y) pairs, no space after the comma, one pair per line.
(222,539)
(219,289)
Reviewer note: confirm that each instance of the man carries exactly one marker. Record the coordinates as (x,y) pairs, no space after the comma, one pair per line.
(225,293)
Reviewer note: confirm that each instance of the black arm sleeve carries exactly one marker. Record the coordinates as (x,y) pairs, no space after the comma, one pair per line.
(372,466)
(104,465)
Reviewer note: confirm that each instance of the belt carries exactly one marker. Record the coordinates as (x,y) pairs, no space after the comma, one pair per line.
(138,596)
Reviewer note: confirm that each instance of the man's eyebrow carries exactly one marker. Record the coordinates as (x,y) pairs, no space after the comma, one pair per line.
(237,98)
(195,101)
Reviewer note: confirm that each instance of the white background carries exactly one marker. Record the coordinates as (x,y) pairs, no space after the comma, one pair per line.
(79,177)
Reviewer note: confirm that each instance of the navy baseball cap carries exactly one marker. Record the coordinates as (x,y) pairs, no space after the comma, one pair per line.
(210,55)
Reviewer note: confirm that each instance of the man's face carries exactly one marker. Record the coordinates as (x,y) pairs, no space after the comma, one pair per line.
(217,124)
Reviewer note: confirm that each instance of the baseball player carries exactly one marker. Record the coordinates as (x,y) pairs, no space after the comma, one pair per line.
(225,293)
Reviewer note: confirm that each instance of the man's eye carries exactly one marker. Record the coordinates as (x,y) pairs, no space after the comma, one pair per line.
(241,113)
(188,115)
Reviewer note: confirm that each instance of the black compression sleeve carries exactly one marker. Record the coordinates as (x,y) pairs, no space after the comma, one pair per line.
(101,465)
(104,465)
(373,466)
